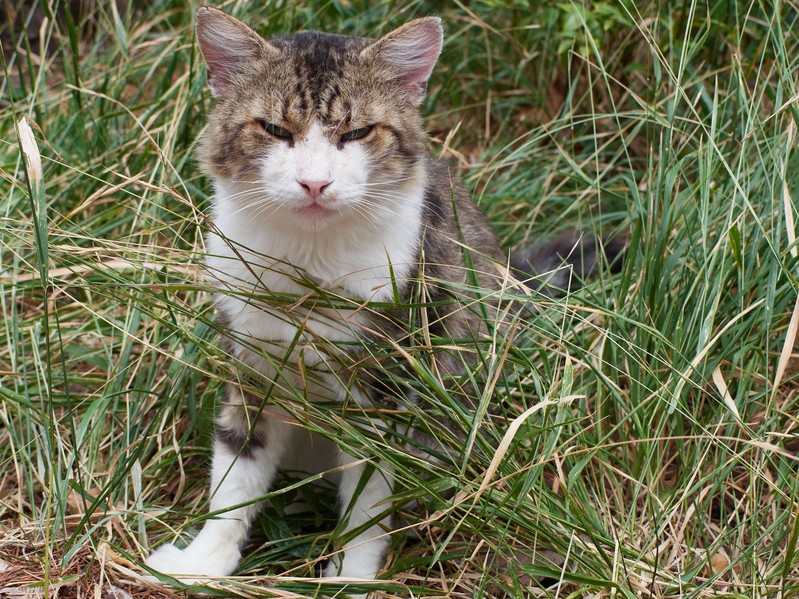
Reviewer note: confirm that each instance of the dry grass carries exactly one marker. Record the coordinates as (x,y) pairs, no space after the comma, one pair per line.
(666,465)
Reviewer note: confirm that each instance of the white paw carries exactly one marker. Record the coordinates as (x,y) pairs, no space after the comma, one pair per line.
(349,566)
(168,559)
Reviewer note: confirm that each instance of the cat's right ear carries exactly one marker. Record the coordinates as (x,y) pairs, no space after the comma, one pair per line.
(228,46)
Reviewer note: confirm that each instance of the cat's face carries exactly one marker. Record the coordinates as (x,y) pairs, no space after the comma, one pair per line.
(315,126)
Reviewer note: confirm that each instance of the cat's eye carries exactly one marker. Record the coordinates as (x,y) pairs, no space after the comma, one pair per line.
(275,130)
(356,134)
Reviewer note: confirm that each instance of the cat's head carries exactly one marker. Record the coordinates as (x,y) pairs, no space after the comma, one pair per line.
(314,125)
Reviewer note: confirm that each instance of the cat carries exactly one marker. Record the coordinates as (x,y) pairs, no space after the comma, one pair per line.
(322,179)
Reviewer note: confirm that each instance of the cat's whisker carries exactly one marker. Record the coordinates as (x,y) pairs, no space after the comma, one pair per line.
(386,204)
(260,192)
(373,211)
(393,200)
(256,198)
(387,182)
(368,215)
(246,181)
(258,204)
(253,198)
(355,252)
(342,120)
(265,213)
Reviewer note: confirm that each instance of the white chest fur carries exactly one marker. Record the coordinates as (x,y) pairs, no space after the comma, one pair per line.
(260,259)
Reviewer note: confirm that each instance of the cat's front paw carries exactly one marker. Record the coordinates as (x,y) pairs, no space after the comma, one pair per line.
(192,561)
(361,567)
(350,568)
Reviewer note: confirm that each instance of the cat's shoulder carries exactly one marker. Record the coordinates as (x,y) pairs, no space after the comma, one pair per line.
(449,205)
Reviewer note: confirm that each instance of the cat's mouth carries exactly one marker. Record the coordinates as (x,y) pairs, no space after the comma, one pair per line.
(313,214)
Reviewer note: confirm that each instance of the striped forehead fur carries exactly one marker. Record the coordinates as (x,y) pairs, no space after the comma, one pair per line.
(295,80)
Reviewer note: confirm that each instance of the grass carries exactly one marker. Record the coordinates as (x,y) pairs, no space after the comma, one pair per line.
(653,414)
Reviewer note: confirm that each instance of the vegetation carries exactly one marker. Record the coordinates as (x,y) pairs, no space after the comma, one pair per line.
(644,434)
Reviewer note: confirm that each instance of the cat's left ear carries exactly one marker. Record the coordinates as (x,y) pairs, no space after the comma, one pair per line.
(412,50)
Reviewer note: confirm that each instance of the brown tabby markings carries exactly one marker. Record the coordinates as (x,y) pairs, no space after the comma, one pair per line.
(326,79)
(393,221)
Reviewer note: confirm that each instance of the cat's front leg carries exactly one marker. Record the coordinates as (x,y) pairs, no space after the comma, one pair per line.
(363,556)
(244,466)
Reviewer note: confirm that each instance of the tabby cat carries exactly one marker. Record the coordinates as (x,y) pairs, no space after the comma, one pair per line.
(323,180)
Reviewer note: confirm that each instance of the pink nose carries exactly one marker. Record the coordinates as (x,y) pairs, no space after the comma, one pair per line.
(314,188)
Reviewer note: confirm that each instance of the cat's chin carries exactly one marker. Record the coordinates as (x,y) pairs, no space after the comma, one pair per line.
(314,217)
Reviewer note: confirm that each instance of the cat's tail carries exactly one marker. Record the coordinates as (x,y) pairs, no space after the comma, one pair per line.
(561,265)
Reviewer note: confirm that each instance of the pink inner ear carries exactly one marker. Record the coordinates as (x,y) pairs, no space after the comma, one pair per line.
(228,46)
(414,49)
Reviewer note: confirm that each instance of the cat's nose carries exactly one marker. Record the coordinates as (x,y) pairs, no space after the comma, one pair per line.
(314,188)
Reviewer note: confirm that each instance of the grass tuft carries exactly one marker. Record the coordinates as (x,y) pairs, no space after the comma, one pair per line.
(637,438)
